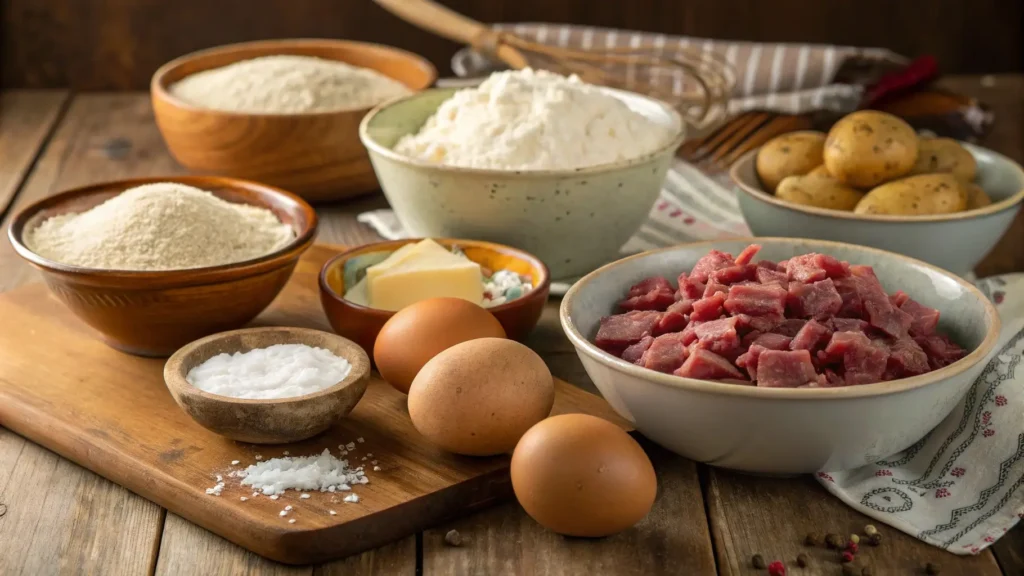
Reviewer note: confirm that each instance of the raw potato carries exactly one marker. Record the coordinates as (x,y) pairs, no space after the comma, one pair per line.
(819,171)
(944,156)
(819,191)
(976,197)
(916,196)
(791,154)
(867,148)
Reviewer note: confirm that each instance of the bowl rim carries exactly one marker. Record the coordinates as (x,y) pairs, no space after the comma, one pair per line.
(669,147)
(342,257)
(174,377)
(753,190)
(584,346)
(177,277)
(159,88)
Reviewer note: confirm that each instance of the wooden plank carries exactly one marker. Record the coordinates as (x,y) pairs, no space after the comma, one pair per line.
(27,117)
(672,539)
(771,516)
(1009,551)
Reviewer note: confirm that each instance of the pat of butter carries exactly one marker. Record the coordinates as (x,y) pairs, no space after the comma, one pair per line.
(429,272)
(405,253)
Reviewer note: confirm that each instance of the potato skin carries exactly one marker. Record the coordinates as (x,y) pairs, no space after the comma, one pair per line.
(944,156)
(922,195)
(866,148)
(976,196)
(791,154)
(819,171)
(819,191)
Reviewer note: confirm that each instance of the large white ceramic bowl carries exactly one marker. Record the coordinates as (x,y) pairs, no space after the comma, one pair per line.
(956,242)
(773,430)
(573,220)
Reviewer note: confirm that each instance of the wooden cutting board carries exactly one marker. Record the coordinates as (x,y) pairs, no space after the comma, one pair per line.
(111,413)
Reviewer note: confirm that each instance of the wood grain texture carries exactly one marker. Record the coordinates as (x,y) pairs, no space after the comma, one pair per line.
(106,44)
(1009,551)
(771,516)
(27,119)
(166,457)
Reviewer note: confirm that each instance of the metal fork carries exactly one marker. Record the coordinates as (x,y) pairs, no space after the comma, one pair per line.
(716,152)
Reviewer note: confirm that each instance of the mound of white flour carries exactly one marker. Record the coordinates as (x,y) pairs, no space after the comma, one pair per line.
(287,85)
(533,120)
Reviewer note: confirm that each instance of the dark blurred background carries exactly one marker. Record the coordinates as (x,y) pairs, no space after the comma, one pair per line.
(118,44)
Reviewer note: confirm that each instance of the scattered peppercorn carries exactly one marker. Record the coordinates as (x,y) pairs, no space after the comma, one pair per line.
(851,546)
(932,569)
(870,530)
(453,538)
(757,561)
(849,570)
(866,571)
(854,538)
(801,560)
(776,569)
(875,539)
(847,557)
(833,541)
(810,540)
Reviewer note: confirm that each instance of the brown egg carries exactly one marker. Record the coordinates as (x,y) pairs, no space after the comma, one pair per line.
(478,398)
(418,332)
(579,475)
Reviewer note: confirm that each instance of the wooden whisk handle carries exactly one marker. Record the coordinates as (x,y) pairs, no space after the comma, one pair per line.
(433,17)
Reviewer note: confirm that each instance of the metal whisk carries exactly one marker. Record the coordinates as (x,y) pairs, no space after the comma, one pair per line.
(696,82)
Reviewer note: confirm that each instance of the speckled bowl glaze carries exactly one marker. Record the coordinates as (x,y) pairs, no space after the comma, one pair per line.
(573,220)
(783,430)
(956,242)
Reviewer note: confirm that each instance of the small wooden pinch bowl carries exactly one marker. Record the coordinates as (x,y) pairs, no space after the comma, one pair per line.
(153,313)
(362,323)
(267,421)
(318,155)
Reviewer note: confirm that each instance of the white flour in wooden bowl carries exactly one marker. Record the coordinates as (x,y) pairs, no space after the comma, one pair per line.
(533,120)
(287,85)
(161,226)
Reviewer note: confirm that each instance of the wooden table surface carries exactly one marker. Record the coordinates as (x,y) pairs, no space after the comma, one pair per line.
(58,518)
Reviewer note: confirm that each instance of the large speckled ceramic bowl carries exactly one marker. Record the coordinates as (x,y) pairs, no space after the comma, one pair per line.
(573,220)
(783,430)
(956,242)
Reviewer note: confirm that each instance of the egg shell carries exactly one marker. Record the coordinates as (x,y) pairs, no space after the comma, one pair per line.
(579,475)
(479,397)
(418,332)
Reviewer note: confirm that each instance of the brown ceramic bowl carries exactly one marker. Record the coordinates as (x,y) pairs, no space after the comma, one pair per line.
(155,313)
(362,323)
(276,421)
(318,155)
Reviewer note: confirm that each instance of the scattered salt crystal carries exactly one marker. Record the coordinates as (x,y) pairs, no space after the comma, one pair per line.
(363,458)
(278,371)
(255,494)
(292,521)
(282,513)
(259,457)
(360,440)
(216,490)
(274,497)
(370,454)
(286,452)
(235,462)
(376,468)
(352,498)
(304,473)
(331,488)
(373,461)
(333,513)
(350,446)
(243,498)
(220,478)
(344,452)
(288,507)
(304,496)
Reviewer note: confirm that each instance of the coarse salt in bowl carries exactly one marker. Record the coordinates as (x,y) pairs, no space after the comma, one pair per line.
(277,371)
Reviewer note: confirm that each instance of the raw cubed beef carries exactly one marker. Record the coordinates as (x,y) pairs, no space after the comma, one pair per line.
(812,336)
(789,327)
(814,267)
(847,325)
(782,265)
(898,298)
(862,361)
(714,287)
(923,320)
(710,262)
(653,300)
(748,360)
(816,300)
(906,358)
(785,369)
(734,274)
(689,334)
(675,318)
(719,336)
(756,300)
(833,379)
(651,284)
(852,306)
(706,365)
(747,255)
(634,352)
(690,289)
(665,354)
(772,341)
(940,349)
(621,330)
(709,308)
(764,323)
(879,310)
(767,264)
(766,276)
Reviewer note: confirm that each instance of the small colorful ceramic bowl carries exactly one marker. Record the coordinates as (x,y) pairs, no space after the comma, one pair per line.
(956,242)
(361,323)
(573,220)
